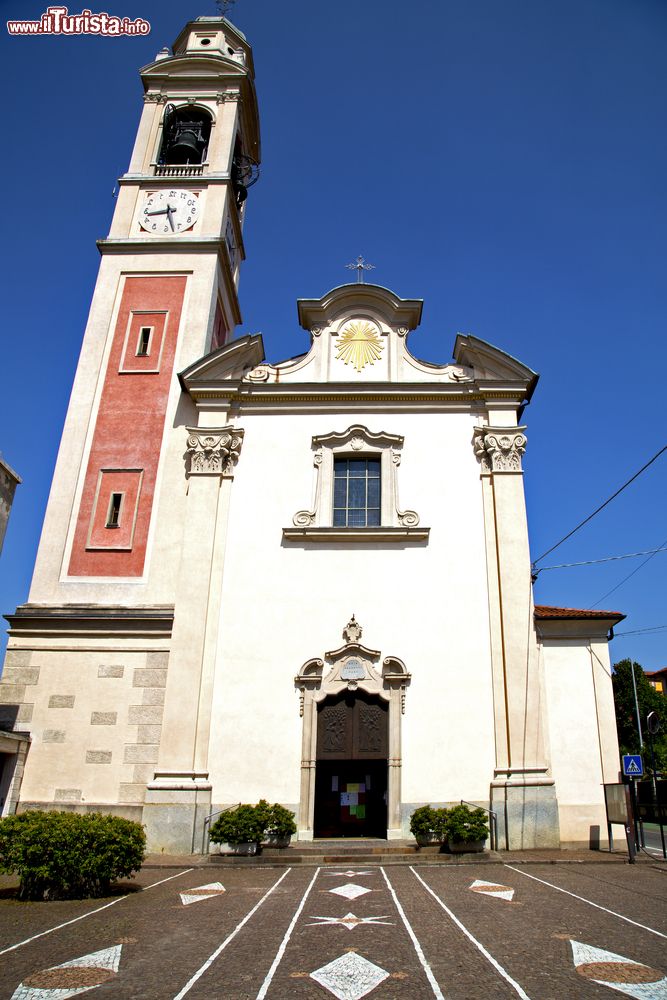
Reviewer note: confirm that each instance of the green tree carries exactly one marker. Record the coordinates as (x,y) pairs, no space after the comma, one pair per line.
(626,716)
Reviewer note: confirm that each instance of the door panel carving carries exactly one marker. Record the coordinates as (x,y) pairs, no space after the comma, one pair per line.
(352,726)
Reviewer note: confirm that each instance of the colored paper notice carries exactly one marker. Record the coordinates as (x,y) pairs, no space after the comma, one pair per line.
(334,783)
(353,788)
(362,787)
(353,810)
(353,797)
(345,798)
(360,812)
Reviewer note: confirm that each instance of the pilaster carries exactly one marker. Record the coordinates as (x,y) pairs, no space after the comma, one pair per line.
(180,785)
(522,789)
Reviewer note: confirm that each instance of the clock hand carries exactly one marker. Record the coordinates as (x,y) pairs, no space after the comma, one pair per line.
(170,212)
(158,211)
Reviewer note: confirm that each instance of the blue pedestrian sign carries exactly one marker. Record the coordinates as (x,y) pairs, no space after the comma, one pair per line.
(632,765)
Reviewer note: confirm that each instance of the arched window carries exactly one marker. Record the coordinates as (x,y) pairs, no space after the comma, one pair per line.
(185,135)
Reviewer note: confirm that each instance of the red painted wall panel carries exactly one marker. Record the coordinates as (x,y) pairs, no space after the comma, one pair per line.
(130,423)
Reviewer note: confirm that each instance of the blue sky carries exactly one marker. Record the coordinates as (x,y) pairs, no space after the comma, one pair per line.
(504,160)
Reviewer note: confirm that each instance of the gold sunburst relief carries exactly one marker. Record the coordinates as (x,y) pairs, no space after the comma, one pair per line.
(359,344)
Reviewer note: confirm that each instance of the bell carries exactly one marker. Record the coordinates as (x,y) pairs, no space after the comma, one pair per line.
(186,147)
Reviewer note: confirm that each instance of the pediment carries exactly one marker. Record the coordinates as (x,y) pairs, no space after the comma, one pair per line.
(229,363)
(490,364)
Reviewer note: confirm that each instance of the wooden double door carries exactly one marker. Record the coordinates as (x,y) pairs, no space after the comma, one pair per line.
(351,776)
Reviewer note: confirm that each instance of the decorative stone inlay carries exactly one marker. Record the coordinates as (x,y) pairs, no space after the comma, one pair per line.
(11,693)
(71,978)
(153,696)
(492,889)
(152,677)
(148,734)
(359,344)
(618,973)
(144,715)
(21,675)
(110,671)
(103,718)
(10,714)
(350,977)
(61,701)
(349,921)
(499,449)
(98,756)
(67,795)
(53,736)
(213,451)
(132,793)
(350,891)
(142,753)
(347,874)
(201,892)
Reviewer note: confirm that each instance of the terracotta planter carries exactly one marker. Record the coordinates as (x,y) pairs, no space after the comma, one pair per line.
(466,846)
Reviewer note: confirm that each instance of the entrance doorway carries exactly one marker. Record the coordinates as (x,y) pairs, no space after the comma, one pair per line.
(351,770)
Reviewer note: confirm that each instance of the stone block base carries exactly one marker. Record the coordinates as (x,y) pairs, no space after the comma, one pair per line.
(174,820)
(527,815)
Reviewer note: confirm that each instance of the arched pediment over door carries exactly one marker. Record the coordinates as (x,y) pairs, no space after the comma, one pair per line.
(351,668)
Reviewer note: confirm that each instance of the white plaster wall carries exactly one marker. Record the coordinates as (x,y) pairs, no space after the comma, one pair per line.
(582,735)
(284,602)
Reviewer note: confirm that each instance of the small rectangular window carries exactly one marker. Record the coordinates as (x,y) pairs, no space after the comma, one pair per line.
(144,341)
(113,515)
(356,493)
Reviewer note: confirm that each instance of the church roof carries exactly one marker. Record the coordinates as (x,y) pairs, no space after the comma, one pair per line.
(544,612)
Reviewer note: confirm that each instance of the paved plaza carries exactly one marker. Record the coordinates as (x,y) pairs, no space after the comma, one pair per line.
(535,930)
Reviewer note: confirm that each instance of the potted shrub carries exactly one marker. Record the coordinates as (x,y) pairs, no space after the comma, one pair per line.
(427,825)
(280,824)
(466,829)
(239,830)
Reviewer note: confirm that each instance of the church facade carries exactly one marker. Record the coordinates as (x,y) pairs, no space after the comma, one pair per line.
(309,581)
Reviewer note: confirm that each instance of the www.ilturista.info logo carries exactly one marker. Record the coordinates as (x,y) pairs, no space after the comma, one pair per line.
(58,21)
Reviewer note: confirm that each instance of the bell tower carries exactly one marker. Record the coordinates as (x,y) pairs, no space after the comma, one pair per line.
(166,294)
(93,643)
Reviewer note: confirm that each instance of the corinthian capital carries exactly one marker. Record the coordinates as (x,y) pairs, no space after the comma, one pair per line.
(499,449)
(213,450)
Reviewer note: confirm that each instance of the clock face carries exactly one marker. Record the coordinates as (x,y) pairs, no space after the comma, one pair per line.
(169,211)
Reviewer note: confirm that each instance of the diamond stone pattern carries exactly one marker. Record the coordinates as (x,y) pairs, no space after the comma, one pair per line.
(350,891)
(350,977)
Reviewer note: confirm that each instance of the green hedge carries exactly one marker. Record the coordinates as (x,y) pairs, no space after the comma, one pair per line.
(64,855)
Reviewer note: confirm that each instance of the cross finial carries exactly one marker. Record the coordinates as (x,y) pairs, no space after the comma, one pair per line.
(360,266)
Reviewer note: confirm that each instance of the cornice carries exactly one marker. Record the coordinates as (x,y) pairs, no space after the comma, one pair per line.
(356,535)
(91,620)
(248,396)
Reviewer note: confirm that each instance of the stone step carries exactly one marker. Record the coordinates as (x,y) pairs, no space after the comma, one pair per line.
(288,857)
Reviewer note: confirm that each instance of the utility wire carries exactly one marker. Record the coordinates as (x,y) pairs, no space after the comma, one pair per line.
(592,562)
(626,578)
(601,507)
(636,631)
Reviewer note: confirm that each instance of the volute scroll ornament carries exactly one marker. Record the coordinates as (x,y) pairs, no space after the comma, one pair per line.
(499,449)
(213,450)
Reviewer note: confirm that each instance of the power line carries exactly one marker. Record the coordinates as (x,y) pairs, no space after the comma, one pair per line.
(637,631)
(593,562)
(625,579)
(601,507)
